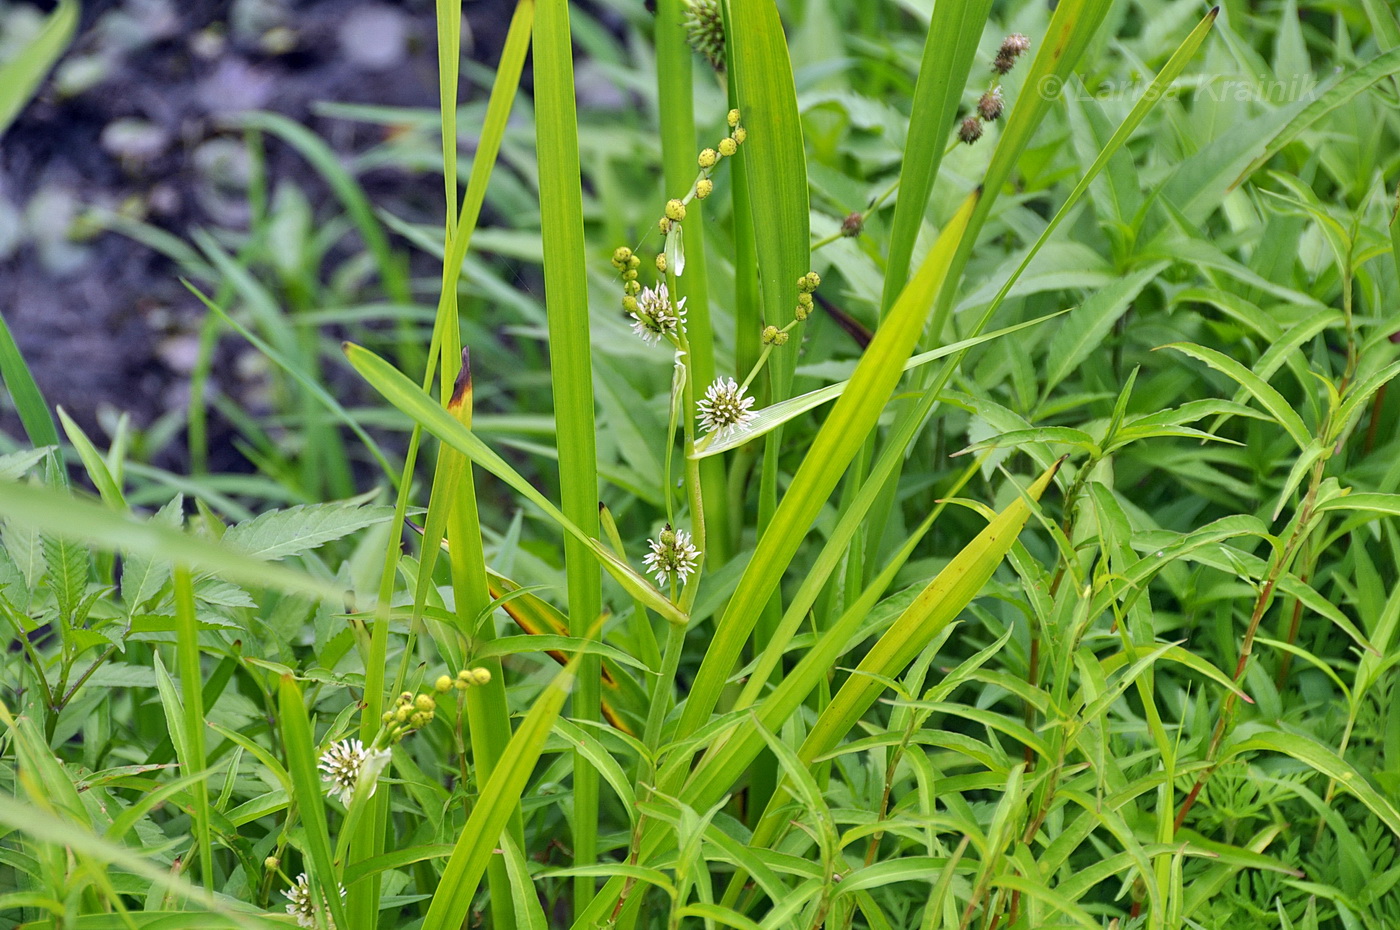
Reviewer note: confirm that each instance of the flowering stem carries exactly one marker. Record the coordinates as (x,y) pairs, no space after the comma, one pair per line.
(692,465)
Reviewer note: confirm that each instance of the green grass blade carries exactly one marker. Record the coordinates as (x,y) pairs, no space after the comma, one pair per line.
(310,385)
(57,514)
(840,437)
(21,75)
(1314,754)
(29,401)
(571,370)
(935,607)
(1071,28)
(774,157)
(192,697)
(452,900)
(96,466)
(300,746)
(949,50)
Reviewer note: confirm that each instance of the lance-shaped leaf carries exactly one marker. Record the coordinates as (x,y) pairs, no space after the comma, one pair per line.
(775,415)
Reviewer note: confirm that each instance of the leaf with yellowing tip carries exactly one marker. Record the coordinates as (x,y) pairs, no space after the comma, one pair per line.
(413,401)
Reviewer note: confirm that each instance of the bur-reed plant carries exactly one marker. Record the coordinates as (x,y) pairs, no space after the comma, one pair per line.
(821,540)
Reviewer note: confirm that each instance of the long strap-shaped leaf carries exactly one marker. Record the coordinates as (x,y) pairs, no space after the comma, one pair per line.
(306,789)
(840,437)
(571,378)
(474,848)
(951,45)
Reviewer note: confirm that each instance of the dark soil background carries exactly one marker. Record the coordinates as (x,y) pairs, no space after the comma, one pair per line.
(130,120)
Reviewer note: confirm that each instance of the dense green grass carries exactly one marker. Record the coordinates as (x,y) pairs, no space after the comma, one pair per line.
(1054,582)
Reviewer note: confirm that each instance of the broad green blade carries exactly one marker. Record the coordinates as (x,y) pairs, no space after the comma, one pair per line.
(21,75)
(300,746)
(499,797)
(949,49)
(571,378)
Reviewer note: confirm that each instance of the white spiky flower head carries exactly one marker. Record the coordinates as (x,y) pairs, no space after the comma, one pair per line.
(655,316)
(301,903)
(726,408)
(673,555)
(344,763)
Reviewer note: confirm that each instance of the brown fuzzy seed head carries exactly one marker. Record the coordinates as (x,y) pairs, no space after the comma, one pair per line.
(970,130)
(852,225)
(991,105)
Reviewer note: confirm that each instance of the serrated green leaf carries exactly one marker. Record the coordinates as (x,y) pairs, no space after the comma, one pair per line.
(279,534)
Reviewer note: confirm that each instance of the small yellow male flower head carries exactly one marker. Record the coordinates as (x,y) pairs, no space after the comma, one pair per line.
(621,256)
(271,863)
(403,713)
(424,702)
(629,304)
(632,287)
(739,135)
(387,717)
(805,301)
(406,697)
(661,262)
(708,158)
(970,130)
(800,313)
(419,720)
(481,676)
(675,210)
(728,147)
(733,118)
(814,281)
(633,263)
(704,188)
(770,335)
(664,225)
(443,684)
(629,275)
